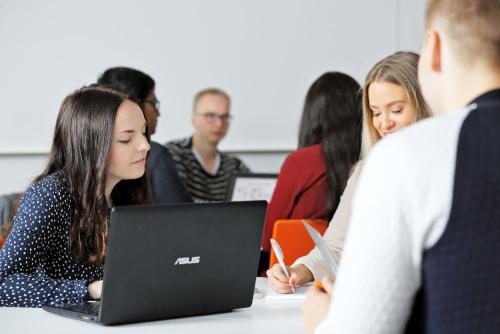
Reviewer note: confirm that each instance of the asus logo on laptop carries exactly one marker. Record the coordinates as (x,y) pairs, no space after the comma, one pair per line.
(187,260)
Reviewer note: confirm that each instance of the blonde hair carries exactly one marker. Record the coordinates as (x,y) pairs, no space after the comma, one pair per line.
(400,69)
(210,91)
(473,26)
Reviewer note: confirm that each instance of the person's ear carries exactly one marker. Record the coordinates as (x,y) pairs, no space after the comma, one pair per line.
(193,120)
(435,50)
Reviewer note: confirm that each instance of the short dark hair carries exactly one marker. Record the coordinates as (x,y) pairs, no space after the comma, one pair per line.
(130,81)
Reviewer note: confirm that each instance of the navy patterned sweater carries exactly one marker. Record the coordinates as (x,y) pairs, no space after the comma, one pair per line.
(36,266)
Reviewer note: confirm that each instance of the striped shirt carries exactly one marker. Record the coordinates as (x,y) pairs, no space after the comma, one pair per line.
(201,185)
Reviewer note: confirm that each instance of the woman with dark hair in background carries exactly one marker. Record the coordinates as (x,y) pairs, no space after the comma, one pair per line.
(57,247)
(312,179)
(167,187)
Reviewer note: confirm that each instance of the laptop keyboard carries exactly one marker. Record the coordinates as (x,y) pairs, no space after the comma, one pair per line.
(91,308)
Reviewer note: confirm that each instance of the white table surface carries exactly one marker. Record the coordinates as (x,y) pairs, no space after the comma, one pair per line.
(264,316)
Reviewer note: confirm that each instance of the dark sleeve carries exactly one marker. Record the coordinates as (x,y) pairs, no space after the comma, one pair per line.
(22,258)
(281,204)
(166,183)
(242,168)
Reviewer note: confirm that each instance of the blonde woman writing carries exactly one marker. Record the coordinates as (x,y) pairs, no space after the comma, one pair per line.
(392,100)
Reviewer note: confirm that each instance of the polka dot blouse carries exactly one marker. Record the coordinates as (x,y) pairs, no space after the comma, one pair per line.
(36,266)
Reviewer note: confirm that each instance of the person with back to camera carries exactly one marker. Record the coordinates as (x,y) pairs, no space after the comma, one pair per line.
(56,249)
(422,251)
(391,100)
(166,185)
(312,178)
(206,171)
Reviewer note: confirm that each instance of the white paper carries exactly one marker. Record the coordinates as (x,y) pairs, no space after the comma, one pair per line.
(252,189)
(300,293)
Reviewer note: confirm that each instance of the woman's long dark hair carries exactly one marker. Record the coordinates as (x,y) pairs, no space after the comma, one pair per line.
(80,149)
(332,117)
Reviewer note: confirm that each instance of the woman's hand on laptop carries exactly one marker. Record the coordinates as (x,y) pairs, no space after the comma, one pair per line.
(278,281)
(95,289)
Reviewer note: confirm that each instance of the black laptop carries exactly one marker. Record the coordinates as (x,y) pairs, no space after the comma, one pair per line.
(168,261)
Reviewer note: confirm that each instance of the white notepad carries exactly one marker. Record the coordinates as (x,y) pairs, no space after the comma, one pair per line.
(300,293)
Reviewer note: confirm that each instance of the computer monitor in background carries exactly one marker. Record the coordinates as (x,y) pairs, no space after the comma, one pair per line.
(251,187)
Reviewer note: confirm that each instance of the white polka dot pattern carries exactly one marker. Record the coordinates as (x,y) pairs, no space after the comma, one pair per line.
(36,266)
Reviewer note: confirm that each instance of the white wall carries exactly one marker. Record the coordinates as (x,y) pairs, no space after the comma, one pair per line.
(264,53)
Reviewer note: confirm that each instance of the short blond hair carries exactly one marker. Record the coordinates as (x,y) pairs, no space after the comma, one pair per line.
(473,27)
(210,91)
(400,69)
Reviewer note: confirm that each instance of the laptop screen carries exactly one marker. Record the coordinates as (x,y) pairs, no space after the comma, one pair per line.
(251,187)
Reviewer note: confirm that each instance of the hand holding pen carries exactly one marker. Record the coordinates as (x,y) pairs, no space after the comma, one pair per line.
(283,279)
(278,282)
(280,256)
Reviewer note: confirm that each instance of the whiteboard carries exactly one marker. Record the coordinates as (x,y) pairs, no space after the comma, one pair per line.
(264,53)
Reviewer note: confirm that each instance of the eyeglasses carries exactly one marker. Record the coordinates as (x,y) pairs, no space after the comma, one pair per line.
(212,117)
(155,103)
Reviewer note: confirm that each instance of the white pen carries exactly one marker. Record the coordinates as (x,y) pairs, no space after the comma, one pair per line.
(279,255)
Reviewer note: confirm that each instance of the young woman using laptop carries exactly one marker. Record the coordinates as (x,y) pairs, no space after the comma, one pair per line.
(392,100)
(56,249)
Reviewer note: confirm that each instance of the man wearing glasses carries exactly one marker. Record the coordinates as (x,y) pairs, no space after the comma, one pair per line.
(204,170)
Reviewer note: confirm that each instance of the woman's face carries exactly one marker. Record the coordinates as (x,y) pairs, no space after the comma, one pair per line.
(129,148)
(390,107)
(151,106)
